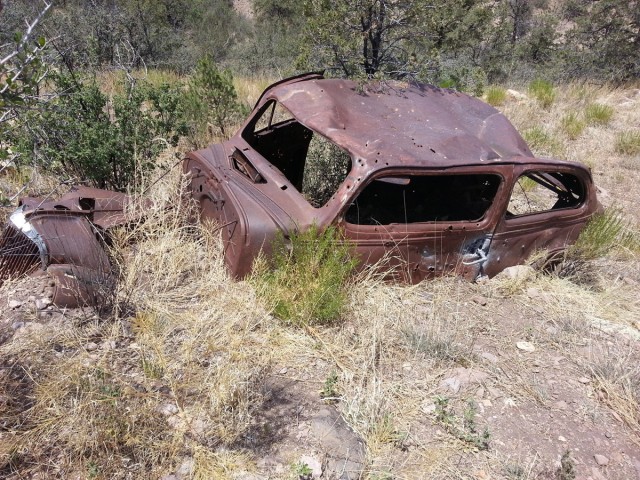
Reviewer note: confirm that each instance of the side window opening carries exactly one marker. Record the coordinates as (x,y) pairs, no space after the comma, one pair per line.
(424,198)
(538,192)
(315,166)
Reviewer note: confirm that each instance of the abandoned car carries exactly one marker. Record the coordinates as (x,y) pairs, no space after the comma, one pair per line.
(431,179)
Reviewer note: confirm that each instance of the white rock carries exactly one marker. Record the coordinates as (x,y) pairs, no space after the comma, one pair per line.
(91,346)
(526,346)
(43,303)
(517,272)
(601,460)
(14,304)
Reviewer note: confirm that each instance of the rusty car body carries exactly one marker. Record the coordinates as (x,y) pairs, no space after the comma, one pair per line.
(430,179)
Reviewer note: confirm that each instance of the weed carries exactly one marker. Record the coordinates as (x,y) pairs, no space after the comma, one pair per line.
(543,92)
(329,392)
(628,142)
(600,235)
(567,470)
(541,142)
(598,114)
(467,430)
(496,95)
(515,472)
(572,126)
(306,279)
(437,346)
(302,471)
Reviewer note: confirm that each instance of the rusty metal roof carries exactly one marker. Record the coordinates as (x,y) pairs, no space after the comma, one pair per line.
(399,123)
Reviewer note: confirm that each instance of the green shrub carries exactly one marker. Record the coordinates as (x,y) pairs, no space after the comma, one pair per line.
(305,281)
(628,142)
(543,92)
(598,114)
(572,126)
(211,100)
(496,95)
(600,235)
(85,135)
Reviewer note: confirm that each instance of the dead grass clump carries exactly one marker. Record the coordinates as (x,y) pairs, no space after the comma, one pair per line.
(616,377)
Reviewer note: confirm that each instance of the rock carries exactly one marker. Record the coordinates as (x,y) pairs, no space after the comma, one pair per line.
(169,477)
(43,303)
(561,405)
(185,470)
(479,300)
(13,304)
(526,346)
(562,439)
(91,346)
(314,465)
(168,409)
(463,377)
(283,371)
(584,380)
(517,95)
(17,325)
(517,272)
(344,449)
(601,460)
(617,457)
(490,357)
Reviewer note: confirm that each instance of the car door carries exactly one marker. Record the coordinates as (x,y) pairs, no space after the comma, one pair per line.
(548,207)
(424,223)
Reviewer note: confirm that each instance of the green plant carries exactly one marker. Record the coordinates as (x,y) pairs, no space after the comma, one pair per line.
(543,92)
(211,101)
(540,141)
(306,279)
(496,95)
(572,126)
(628,142)
(302,471)
(88,136)
(465,430)
(329,392)
(600,235)
(598,114)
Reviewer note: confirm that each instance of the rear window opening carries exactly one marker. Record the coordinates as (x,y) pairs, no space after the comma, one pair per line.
(424,198)
(315,166)
(539,192)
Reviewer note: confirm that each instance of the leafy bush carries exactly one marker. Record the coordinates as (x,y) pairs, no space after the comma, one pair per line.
(211,100)
(543,92)
(496,95)
(88,136)
(572,126)
(306,280)
(598,114)
(628,142)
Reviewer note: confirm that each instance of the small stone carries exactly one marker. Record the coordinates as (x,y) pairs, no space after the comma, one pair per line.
(31,298)
(617,457)
(109,345)
(517,272)
(13,304)
(601,460)
(584,380)
(490,357)
(406,366)
(283,371)
(526,346)
(561,405)
(168,409)
(43,303)
(608,434)
(487,403)
(17,325)
(91,346)
(479,300)
(562,439)
(314,465)
(428,408)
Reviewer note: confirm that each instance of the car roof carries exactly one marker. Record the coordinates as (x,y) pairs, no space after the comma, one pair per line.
(402,124)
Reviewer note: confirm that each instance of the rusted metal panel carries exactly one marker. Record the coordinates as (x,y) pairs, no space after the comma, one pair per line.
(64,237)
